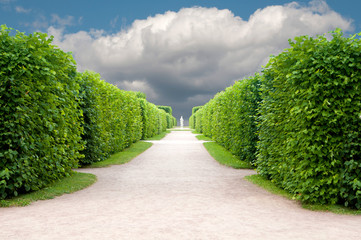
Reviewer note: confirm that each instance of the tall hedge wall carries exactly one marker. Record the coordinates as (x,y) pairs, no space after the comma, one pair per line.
(229,118)
(40,118)
(192,119)
(171,121)
(112,117)
(95,135)
(150,119)
(167,109)
(310,120)
(52,118)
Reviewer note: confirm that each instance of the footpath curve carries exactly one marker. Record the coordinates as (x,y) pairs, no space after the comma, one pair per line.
(174,190)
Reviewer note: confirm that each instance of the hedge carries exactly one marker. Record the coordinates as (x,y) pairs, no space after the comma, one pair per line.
(52,118)
(40,118)
(171,121)
(155,120)
(162,121)
(95,134)
(167,109)
(229,118)
(192,119)
(310,120)
(149,112)
(112,117)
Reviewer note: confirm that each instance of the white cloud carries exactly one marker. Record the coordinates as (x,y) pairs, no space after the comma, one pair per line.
(62,22)
(38,24)
(114,21)
(192,54)
(20,9)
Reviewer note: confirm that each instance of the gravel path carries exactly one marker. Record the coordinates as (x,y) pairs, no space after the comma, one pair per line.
(174,190)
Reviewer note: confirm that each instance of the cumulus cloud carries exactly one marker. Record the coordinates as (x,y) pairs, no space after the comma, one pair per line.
(183,58)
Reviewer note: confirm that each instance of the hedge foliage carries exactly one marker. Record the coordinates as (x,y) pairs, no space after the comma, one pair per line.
(52,118)
(192,119)
(308,119)
(112,118)
(40,118)
(229,118)
(167,109)
(171,121)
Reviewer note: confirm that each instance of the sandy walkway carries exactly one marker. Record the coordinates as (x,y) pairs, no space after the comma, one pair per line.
(174,190)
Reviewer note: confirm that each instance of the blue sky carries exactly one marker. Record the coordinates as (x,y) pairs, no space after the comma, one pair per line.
(179,52)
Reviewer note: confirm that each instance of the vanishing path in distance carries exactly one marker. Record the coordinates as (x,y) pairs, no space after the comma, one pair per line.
(174,190)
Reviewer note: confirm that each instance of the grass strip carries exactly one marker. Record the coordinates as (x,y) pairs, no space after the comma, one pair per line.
(70,184)
(272,188)
(204,138)
(224,157)
(159,136)
(124,156)
(268,185)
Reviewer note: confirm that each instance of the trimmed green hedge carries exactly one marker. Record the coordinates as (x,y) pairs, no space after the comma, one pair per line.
(52,118)
(167,109)
(195,109)
(310,120)
(40,118)
(155,119)
(171,121)
(112,118)
(229,118)
(95,135)
(192,119)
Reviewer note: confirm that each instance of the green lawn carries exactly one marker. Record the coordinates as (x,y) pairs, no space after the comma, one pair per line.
(124,156)
(70,184)
(159,136)
(223,156)
(202,137)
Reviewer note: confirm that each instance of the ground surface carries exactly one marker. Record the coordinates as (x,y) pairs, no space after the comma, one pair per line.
(174,190)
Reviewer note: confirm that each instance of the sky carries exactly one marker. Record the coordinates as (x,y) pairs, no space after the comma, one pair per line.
(180,53)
